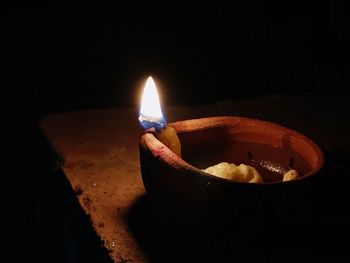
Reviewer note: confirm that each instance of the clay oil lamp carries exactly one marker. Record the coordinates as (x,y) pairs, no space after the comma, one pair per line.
(183,192)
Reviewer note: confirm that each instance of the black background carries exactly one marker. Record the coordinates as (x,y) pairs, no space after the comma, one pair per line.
(68,55)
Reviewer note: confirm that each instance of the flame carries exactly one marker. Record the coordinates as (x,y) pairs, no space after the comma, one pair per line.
(150,112)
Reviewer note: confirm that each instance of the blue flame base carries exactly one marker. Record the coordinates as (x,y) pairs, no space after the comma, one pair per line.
(147,123)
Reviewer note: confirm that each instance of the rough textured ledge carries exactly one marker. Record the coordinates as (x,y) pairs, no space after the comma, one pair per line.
(99,151)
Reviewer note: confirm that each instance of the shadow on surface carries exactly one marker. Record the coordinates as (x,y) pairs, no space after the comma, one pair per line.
(64,231)
(233,241)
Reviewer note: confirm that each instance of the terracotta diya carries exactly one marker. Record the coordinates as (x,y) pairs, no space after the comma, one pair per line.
(180,189)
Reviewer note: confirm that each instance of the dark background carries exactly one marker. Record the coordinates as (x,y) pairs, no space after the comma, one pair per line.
(68,55)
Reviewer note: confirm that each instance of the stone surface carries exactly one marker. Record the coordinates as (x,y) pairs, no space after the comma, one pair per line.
(100,156)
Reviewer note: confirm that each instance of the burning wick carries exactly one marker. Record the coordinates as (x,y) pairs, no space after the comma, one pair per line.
(151,116)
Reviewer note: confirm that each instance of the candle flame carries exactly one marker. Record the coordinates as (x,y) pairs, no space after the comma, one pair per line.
(150,112)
